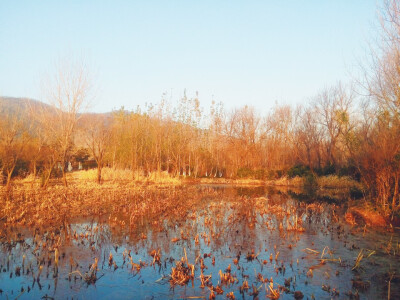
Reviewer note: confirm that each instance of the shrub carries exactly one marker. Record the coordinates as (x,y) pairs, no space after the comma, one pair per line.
(21,168)
(350,171)
(299,170)
(356,193)
(328,169)
(310,180)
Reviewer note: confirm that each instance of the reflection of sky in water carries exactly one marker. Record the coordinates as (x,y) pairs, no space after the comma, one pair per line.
(235,227)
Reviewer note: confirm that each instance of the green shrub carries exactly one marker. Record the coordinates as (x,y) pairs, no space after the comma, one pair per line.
(310,180)
(356,193)
(328,169)
(299,170)
(273,174)
(351,171)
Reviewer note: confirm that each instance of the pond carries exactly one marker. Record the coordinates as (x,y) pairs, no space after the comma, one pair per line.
(224,242)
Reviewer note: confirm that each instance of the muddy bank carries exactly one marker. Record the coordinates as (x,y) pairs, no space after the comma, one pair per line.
(367,215)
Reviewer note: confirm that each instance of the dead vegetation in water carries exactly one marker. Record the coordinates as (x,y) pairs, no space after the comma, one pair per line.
(183,272)
(191,219)
(30,207)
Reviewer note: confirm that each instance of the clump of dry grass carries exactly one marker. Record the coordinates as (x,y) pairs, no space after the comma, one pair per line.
(334,181)
(286,181)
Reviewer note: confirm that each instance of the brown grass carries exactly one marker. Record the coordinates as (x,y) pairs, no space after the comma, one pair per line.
(334,181)
(286,181)
(110,174)
(367,214)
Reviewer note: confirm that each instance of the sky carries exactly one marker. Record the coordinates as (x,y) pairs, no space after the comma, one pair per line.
(255,53)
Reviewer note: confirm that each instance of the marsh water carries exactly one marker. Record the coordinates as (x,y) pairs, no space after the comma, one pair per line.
(272,240)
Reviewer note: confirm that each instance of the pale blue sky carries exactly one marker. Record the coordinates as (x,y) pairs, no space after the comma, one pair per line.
(237,52)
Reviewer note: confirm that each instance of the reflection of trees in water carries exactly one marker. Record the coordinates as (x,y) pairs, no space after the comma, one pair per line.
(257,191)
(244,221)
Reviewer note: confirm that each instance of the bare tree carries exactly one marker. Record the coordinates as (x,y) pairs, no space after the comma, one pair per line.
(96,131)
(278,136)
(67,93)
(333,107)
(375,149)
(308,138)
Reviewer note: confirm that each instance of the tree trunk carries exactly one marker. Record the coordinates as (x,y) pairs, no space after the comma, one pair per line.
(47,179)
(64,178)
(98,173)
(9,174)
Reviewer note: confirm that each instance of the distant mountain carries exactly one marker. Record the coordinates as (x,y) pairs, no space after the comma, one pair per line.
(20,106)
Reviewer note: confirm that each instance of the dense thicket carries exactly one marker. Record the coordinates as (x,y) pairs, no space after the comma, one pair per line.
(337,132)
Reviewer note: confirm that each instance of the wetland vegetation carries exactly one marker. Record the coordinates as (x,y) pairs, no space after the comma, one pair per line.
(196,241)
(174,200)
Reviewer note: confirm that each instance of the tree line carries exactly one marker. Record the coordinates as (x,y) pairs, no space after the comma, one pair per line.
(347,129)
